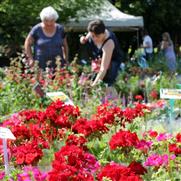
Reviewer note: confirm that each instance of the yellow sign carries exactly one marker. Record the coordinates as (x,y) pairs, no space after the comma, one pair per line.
(61,96)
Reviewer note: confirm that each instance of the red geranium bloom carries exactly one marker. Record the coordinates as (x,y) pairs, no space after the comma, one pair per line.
(118,172)
(175,149)
(152,134)
(154,94)
(123,139)
(139,97)
(178,137)
(76,140)
(137,168)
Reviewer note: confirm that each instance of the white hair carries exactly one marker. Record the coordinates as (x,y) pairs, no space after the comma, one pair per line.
(48,13)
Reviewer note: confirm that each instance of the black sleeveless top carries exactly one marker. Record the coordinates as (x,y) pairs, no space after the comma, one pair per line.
(117,54)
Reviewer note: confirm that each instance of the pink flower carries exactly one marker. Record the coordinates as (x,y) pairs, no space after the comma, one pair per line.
(163,136)
(2,174)
(144,145)
(158,160)
(24,177)
(160,104)
(32,173)
(90,163)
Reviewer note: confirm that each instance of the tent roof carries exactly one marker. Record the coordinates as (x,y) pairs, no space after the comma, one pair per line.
(112,17)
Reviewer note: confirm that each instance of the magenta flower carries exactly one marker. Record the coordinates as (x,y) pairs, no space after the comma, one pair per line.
(30,172)
(144,145)
(158,160)
(163,136)
(2,174)
(24,177)
(91,163)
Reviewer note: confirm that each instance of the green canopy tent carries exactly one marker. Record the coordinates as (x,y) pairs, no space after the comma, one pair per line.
(113,18)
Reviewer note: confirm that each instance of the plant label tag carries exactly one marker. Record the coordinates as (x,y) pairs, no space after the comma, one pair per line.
(170,93)
(61,96)
(38,90)
(6,133)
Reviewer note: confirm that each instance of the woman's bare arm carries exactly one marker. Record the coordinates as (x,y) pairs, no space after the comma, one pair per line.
(28,51)
(65,49)
(105,62)
(164,44)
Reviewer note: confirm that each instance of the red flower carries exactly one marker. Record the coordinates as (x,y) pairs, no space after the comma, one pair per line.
(113,171)
(82,126)
(123,139)
(130,178)
(20,157)
(118,172)
(73,163)
(154,94)
(89,127)
(29,153)
(178,137)
(108,113)
(30,157)
(61,115)
(129,114)
(137,168)
(76,140)
(139,97)
(152,134)
(175,149)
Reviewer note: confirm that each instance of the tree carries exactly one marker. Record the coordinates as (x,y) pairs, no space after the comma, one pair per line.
(159,15)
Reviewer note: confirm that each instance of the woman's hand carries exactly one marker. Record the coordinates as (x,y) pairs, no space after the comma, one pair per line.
(95,83)
(83,39)
(30,62)
(92,84)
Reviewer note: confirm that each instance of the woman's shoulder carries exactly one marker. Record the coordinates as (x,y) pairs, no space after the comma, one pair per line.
(112,36)
(37,26)
(59,26)
(109,44)
(35,29)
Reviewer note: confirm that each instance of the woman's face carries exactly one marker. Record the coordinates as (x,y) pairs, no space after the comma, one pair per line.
(97,38)
(49,23)
(164,38)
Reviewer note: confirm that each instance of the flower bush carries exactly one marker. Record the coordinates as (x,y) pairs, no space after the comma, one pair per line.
(88,141)
(97,149)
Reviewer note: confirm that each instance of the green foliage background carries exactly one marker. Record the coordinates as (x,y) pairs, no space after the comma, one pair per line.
(18,16)
(159,16)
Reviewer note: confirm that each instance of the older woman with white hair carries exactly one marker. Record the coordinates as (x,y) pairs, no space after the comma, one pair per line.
(48,40)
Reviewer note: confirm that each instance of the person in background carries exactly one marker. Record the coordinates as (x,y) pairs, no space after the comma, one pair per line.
(147,45)
(168,51)
(48,40)
(109,48)
(109,52)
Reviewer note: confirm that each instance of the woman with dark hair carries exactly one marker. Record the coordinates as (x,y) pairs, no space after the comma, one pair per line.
(109,51)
